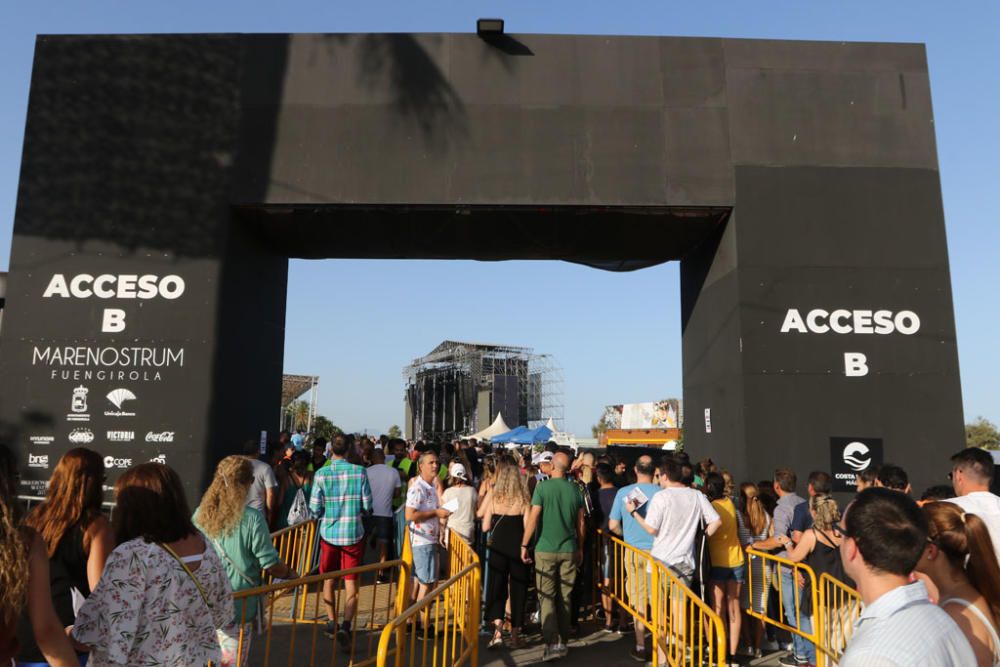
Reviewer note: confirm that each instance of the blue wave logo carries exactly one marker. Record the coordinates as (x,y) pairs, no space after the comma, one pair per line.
(856,456)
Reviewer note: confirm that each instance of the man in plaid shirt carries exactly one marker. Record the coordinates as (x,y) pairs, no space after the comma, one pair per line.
(340,495)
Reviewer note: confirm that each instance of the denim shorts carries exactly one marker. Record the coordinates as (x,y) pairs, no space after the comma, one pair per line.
(737,574)
(425,563)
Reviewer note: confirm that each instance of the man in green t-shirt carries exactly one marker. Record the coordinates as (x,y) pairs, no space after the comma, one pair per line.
(557,513)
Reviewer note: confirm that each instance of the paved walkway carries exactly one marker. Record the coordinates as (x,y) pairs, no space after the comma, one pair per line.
(594,649)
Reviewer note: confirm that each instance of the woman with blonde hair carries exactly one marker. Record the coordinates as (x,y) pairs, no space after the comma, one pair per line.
(486,483)
(961,564)
(819,546)
(77,537)
(753,524)
(24,579)
(240,537)
(504,520)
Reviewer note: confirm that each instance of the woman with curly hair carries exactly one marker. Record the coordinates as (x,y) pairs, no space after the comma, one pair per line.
(504,520)
(240,537)
(77,536)
(24,580)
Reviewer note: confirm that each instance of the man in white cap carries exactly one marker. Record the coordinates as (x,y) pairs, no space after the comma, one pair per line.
(463,518)
(543,462)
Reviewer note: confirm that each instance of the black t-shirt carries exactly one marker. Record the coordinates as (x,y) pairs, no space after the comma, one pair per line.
(605,498)
(67,570)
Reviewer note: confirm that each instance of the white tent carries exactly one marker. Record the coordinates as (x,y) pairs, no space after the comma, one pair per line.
(496,428)
(551,425)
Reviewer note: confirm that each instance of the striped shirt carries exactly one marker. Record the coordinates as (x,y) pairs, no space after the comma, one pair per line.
(340,494)
(904,629)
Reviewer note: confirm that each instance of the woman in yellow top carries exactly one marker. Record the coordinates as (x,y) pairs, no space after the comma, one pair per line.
(728,572)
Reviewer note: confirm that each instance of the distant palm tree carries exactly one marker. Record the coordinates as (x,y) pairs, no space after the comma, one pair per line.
(298,414)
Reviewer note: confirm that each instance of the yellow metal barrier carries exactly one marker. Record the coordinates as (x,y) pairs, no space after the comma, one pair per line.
(839,607)
(295,615)
(685,630)
(446,620)
(296,545)
(460,553)
(774,567)
(834,605)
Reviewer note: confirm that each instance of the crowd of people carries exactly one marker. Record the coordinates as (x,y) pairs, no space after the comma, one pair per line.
(154,585)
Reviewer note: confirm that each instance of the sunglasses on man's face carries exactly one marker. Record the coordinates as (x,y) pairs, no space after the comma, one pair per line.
(839,530)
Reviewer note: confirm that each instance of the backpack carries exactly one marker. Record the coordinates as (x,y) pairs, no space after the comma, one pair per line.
(299,510)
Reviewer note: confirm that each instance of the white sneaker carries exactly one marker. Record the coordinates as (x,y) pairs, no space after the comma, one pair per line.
(562,650)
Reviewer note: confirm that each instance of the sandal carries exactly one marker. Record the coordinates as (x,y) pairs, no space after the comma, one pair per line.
(497,639)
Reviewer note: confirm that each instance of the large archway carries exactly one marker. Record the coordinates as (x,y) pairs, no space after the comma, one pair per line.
(166,180)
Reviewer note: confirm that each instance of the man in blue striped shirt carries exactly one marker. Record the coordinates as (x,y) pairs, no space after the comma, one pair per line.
(883,537)
(340,495)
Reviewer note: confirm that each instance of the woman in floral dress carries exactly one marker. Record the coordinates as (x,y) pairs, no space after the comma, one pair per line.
(164,591)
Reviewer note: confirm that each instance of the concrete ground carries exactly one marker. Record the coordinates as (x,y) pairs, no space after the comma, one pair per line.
(594,648)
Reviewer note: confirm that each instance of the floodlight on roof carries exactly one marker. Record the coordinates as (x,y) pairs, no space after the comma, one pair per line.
(489,27)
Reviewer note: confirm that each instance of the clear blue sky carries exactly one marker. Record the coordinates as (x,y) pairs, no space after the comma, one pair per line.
(356,324)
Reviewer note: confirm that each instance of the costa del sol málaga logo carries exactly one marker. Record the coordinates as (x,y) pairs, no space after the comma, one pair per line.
(856,456)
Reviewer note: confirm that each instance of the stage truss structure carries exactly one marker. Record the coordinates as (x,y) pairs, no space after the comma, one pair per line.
(459,387)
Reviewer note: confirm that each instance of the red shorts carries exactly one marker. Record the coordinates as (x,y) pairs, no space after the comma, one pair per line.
(333,558)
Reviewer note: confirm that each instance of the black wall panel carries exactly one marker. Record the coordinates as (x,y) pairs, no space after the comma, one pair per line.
(782,175)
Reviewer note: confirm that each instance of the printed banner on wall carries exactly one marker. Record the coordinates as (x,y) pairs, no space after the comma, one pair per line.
(658,414)
(110,382)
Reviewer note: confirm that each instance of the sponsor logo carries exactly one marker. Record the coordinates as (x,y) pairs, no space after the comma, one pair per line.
(78,405)
(121,436)
(38,461)
(112,462)
(851,456)
(856,456)
(42,439)
(117,398)
(162,436)
(35,487)
(161,458)
(81,436)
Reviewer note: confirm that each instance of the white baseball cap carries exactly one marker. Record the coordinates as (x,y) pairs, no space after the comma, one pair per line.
(544,457)
(457,470)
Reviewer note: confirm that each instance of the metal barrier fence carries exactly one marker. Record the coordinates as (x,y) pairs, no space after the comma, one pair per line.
(685,630)
(460,553)
(293,626)
(780,574)
(839,607)
(445,622)
(829,605)
(298,547)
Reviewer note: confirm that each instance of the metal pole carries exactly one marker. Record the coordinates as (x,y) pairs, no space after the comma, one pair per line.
(313,399)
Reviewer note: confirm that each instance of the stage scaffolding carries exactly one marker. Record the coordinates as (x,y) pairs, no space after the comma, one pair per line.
(459,387)
(292,387)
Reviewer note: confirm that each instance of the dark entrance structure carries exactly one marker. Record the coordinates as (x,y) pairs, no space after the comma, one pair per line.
(166,180)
